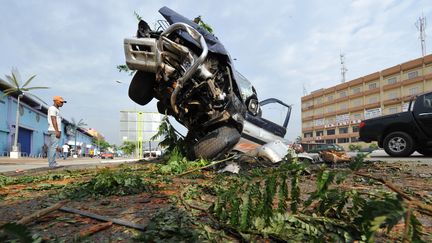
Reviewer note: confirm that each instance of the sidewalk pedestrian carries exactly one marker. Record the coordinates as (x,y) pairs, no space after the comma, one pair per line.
(65,148)
(54,129)
(45,150)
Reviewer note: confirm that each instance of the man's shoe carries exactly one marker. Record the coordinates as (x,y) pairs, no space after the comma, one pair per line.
(56,166)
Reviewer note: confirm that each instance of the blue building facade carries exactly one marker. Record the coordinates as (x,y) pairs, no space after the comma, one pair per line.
(33,125)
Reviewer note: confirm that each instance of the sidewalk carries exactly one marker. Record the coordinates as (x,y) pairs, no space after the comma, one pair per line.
(10,166)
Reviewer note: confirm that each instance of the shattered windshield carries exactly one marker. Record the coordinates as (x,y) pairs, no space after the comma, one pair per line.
(245,87)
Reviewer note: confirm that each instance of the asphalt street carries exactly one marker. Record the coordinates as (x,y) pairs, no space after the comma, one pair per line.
(380,155)
(15,166)
(8,165)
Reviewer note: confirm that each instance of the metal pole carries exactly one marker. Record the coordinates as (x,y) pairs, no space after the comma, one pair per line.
(150,151)
(15,147)
(139,135)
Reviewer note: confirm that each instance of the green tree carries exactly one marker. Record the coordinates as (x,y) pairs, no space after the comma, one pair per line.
(19,89)
(169,138)
(75,125)
(128,147)
(101,143)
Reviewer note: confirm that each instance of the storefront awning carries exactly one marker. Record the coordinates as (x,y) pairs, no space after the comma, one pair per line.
(70,142)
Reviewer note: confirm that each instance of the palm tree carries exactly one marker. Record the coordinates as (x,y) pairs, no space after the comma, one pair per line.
(19,90)
(75,126)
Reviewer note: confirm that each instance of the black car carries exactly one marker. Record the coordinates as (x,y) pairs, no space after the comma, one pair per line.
(190,73)
(403,133)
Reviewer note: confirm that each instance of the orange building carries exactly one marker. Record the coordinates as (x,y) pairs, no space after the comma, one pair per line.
(95,134)
(332,115)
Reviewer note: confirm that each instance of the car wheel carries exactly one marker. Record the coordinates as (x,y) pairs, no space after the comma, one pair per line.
(399,144)
(425,151)
(141,87)
(216,143)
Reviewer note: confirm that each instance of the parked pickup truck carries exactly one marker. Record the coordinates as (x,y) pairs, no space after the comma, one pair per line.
(403,133)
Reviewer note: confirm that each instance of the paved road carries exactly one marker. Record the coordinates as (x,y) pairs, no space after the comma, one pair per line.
(382,156)
(13,166)
(8,165)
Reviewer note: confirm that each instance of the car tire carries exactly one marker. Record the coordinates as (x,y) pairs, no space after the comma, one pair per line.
(425,151)
(141,87)
(216,143)
(399,144)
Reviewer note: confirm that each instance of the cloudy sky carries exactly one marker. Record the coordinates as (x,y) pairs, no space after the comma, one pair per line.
(280,46)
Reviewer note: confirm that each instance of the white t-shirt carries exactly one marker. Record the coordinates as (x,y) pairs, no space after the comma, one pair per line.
(54,111)
(65,148)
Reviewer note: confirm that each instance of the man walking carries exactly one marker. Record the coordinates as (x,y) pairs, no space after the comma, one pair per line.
(54,126)
(65,151)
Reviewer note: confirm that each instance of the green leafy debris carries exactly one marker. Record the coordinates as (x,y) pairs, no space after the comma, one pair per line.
(108,182)
(170,225)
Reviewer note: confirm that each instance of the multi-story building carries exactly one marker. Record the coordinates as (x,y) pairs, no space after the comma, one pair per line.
(332,115)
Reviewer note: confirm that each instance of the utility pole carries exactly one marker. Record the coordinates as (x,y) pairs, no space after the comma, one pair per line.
(140,134)
(421,27)
(343,68)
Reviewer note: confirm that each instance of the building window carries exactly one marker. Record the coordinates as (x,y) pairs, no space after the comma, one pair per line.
(373,100)
(413,91)
(412,74)
(392,95)
(393,110)
(319,141)
(319,133)
(372,86)
(392,80)
(328,141)
(354,139)
(355,128)
(343,130)
(331,132)
(356,102)
(330,109)
(344,106)
(356,90)
(318,101)
(330,98)
(307,134)
(343,140)
(342,94)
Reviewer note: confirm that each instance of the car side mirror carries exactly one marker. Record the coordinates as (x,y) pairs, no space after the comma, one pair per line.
(253,106)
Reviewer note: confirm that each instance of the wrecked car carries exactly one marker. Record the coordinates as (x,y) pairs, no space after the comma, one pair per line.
(190,73)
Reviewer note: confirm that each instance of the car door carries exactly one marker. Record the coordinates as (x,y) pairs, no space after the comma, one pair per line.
(259,130)
(423,113)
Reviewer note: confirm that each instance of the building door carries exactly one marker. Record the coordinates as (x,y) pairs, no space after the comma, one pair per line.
(24,139)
